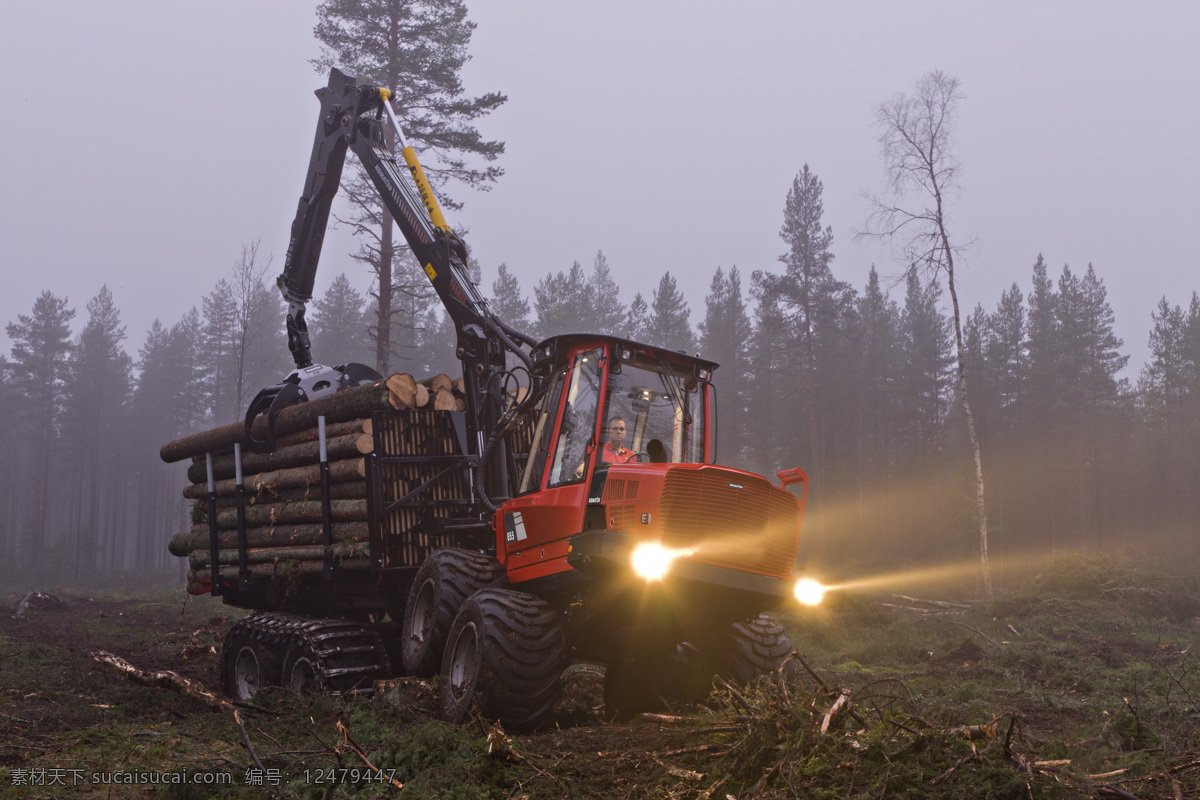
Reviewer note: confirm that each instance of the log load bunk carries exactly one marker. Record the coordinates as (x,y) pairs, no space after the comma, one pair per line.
(287,529)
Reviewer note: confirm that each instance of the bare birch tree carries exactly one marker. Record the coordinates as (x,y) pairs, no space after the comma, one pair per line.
(916,138)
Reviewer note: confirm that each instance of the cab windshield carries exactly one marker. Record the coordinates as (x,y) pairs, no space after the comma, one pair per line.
(651,415)
(662,412)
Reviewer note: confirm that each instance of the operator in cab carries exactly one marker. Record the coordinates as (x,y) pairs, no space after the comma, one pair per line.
(614,450)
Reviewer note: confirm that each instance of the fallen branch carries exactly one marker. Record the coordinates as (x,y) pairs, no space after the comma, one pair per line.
(743,702)
(853,714)
(347,739)
(938,603)
(700,748)
(246,738)
(911,609)
(163,679)
(820,682)
(708,793)
(666,719)
(974,755)
(683,774)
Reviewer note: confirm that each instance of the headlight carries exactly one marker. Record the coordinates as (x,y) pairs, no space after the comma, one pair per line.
(651,560)
(809,592)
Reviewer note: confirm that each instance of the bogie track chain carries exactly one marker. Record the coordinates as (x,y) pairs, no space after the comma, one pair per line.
(345,656)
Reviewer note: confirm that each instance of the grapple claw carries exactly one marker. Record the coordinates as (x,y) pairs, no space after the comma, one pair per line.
(298,387)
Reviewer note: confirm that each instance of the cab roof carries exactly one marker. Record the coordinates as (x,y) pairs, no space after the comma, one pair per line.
(561,344)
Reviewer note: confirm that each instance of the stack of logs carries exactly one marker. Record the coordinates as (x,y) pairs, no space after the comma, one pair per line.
(282,489)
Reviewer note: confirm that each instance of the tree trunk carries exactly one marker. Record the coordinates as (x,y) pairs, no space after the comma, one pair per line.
(293,513)
(202,558)
(349,404)
(339,472)
(980,507)
(350,490)
(183,544)
(299,455)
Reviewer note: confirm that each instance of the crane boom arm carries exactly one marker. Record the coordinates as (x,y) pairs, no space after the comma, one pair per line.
(354,117)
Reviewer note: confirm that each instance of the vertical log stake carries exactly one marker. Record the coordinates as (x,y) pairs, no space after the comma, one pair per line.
(240,489)
(214,585)
(326,517)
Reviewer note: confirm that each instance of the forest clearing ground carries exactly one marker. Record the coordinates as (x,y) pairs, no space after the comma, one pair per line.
(1083,682)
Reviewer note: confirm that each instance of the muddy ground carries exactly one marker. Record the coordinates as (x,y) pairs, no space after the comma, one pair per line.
(1084,682)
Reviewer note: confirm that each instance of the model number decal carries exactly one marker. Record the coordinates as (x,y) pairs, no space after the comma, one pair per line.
(514,527)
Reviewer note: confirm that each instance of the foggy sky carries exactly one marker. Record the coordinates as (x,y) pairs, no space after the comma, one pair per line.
(146,142)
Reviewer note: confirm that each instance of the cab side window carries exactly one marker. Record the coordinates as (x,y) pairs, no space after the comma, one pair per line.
(579,420)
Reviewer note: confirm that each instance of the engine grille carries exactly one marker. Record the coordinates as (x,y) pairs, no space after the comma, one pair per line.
(732,520)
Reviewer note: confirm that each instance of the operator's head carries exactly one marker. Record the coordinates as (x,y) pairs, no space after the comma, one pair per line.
(616,431)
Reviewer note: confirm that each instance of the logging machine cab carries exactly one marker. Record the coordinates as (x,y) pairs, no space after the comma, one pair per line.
(620,473)
(664,400)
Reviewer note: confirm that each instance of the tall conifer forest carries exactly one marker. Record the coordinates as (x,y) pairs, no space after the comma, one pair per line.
(851,380)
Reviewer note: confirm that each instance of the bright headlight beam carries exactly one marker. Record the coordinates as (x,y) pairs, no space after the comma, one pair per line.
(809,592)
(652,561)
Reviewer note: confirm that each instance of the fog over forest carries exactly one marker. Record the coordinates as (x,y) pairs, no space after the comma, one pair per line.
(1076,457)
(698,203)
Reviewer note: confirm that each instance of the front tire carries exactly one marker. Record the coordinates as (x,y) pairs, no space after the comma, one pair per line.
(753,648)
(505,654)
(445,580)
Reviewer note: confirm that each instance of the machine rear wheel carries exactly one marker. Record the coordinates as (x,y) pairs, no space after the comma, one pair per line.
(302,672)
(446,579)
(249,663)
(505,654)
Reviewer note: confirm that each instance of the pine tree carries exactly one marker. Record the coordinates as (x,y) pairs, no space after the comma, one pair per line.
(11,471)
(168,402)
(562,303)
(978,369)
(669,324)
(768,411)
(217,335)
(417,48)
(339,322)
(925,377)
(1042,344)
(41,348)
(815,302)
(1164,386)
(1004,402)
(1005,352)
(725,338)
(881,358)
(637,320)
(604,299)
(1088,366)
(97,392)
(507,301)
